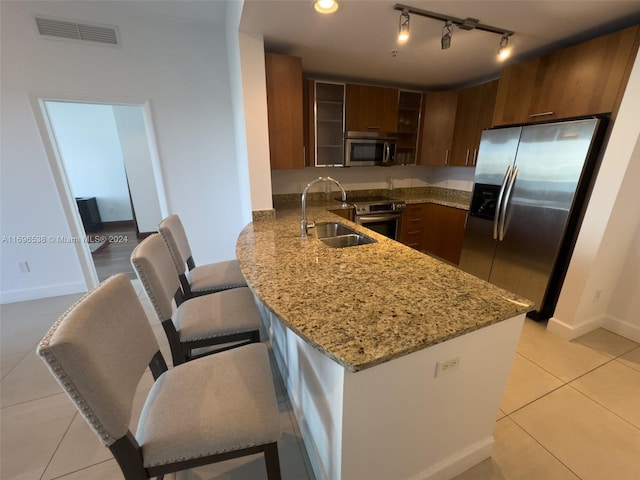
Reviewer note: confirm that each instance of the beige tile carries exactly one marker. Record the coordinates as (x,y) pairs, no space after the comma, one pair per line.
(607,343)
(10,360)
(616,387)
(80,448)
(28,380)
(563,359)
(526,383)
(500,415)
(631,359)
(30,435)
(586,437)
(45,306)
(24,334)
(106,470)
(517,456)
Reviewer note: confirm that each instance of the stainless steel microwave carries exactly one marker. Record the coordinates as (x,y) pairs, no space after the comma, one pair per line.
(369,149)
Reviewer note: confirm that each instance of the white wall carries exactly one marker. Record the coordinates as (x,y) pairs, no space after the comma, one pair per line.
(89,144)
(178,66)
(603,251)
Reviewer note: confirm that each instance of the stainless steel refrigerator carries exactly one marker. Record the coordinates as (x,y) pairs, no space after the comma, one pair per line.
(530,191)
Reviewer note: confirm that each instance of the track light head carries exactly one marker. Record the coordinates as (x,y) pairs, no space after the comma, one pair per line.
(447,30)
(403,33)
(504,51)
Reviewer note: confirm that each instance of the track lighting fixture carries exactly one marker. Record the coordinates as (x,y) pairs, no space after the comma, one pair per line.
(503,50)
(447,30)
(462,23)
(325,6)
(403,33)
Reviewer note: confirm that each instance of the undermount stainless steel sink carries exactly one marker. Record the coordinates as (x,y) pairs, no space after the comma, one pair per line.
(338,235)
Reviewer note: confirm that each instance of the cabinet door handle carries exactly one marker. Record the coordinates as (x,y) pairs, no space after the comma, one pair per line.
(475,157)
(466,160)
(373,128)
(446,157)
(543,114)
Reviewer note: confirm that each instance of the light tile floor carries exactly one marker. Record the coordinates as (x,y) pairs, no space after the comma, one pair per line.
(571,410)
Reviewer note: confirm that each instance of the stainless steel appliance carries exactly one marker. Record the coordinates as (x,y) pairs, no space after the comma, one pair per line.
(380,214)
(370,149)
(530,191)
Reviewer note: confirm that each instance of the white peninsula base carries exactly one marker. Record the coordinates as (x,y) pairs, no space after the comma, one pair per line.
(399,420)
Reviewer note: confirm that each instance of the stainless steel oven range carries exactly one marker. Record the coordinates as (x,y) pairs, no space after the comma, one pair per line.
(380,214)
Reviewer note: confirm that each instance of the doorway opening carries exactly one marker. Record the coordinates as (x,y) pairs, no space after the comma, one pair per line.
(105,159)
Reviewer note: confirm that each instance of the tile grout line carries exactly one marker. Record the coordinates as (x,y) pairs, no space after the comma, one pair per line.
(81,469)
(604,406)
(26,352)
(544,447)
(24,402)
(568,384)
(58,445)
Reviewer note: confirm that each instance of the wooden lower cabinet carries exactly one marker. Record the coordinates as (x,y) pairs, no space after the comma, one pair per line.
(412,226)
(434,229)
(444,231)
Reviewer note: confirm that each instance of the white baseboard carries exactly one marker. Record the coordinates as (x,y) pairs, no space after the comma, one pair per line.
(569,332)
(615,325)
(27,294)
(622,328)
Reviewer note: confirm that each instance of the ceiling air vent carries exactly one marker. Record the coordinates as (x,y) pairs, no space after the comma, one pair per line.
(52,28)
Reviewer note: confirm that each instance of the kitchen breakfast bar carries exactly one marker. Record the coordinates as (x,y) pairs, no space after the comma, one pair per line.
(395,362)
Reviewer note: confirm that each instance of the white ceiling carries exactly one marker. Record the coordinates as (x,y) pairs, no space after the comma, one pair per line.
(356,42)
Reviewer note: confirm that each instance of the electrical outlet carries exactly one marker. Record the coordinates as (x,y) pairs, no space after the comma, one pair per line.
(446,366)
(23,267)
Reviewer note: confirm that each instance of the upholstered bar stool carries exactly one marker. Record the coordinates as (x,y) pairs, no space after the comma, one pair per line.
(220,319)
(212,409)
(201,279)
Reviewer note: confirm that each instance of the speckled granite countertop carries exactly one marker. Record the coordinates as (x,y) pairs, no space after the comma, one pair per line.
(368,304)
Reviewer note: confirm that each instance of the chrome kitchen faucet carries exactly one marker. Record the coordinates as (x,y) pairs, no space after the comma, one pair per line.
(303,220)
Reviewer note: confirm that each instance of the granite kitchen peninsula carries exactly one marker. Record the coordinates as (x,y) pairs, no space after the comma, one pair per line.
(395,362)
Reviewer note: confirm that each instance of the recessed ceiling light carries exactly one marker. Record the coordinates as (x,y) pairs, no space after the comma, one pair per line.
(325,6)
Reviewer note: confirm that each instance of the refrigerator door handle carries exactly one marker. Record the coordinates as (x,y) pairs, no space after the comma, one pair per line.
(507,199)
(496,215)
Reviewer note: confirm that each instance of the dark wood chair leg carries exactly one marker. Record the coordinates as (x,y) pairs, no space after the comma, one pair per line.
(126,451)
(272,460)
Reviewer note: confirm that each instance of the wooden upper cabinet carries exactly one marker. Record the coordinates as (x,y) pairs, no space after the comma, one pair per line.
(515,91)
(285,111)
(464,136)
(438,122)
(371,109)
(473,114)
(585,79)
